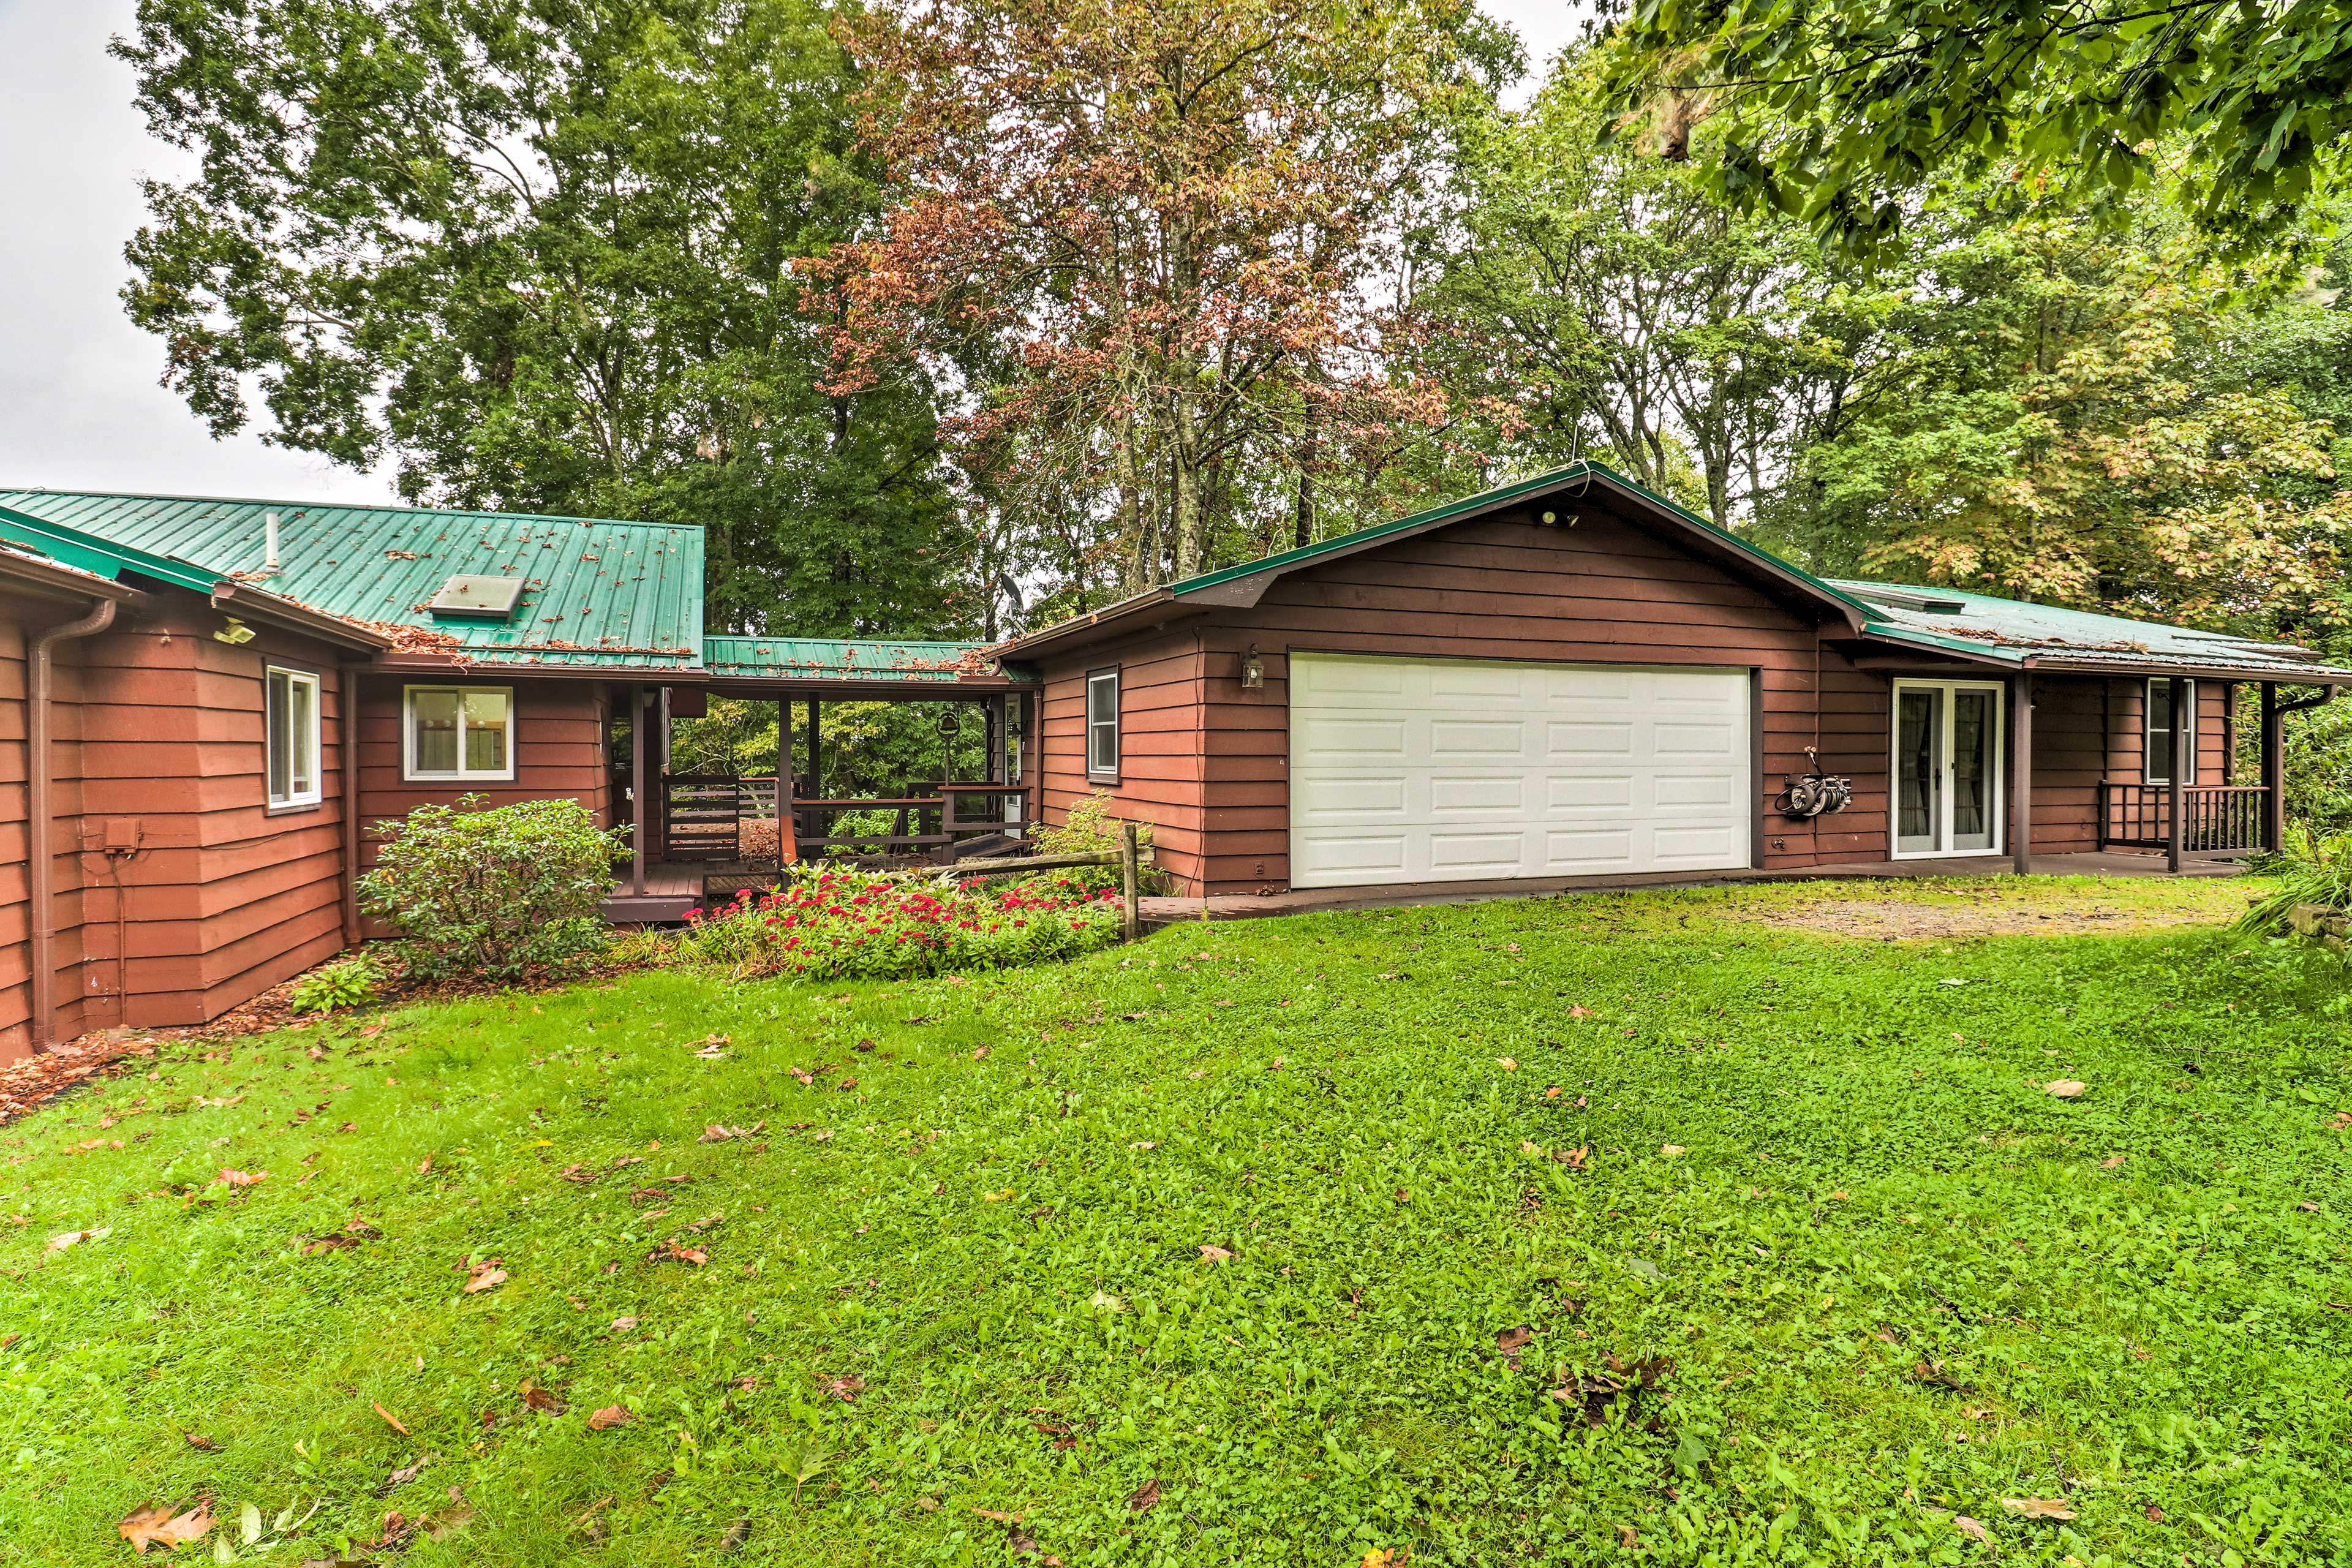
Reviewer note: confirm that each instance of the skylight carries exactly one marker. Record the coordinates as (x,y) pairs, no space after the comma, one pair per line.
(491,598)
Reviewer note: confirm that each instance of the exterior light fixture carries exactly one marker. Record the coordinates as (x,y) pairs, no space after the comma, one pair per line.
(234,632)
(1253,669)
(1552,517)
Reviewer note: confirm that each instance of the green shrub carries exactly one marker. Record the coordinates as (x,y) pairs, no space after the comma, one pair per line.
(2314,869)
(1090,830)
(353,981)
(499,894)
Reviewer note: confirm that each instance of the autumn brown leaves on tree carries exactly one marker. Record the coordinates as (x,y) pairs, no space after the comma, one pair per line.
(1160,243)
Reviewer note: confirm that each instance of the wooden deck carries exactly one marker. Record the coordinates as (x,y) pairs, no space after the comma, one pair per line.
(671,890)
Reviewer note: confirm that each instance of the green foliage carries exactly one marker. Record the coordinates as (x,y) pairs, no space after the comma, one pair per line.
(1841,113)
(1090,829)
(974,1278)
(827,922)
(351,981)
(496,895)
(2313,868)
(545,258)
(870,748)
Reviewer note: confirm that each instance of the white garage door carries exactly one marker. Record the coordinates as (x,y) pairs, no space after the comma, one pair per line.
(1433,769)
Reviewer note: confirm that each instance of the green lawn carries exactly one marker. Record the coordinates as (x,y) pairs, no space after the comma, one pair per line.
(1876,1279)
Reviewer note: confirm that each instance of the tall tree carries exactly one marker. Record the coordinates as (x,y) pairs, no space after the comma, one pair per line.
(1617,309)
(1841,111)
(1160,235)
(540,252)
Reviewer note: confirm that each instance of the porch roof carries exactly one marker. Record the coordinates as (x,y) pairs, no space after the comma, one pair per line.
(818,661)
(598,594)
(2028,636)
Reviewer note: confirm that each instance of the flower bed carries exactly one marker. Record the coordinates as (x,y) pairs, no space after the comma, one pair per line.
(827,923)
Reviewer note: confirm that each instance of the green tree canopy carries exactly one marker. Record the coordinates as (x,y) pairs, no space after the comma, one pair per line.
(541,253)
(1841,110)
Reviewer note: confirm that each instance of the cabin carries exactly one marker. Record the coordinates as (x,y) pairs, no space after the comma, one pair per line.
(211,705)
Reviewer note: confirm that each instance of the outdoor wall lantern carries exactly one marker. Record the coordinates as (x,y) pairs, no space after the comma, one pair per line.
(1253,669)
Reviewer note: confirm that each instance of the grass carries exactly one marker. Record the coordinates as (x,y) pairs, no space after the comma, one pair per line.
(1886,1283)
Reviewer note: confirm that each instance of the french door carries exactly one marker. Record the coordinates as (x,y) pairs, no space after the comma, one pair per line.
(1948,768)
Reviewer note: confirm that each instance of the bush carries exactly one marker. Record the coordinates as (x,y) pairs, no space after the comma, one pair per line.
(825,922)
(499,894)
(1091,829)
(2314,869)
(353,981)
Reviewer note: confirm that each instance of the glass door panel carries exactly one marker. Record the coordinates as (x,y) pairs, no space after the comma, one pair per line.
(1919,769)
(1972,770)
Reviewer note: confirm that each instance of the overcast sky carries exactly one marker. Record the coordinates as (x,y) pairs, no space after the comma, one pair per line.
(79,406)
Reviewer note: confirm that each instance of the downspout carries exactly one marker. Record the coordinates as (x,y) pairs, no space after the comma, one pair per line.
(350,745)
(41,1020)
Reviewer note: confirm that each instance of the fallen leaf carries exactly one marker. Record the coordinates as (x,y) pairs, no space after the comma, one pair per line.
(670,1249)
(1385,1557)
(538,1398)
(1143,1146)
(1144,1498)
(2037,1506)
(1403,1196)
(610,1416)
(2154,1512)
(164,1527)
(485,1275)
(1552,1091)
(1572,1158)
(2113,1162)
(424,1166)
(1214,1254)
(1970,1526)
(1507,1064)
(847,1389)
(391,1420)
(402,1477)
(2064,1087)
(997,1197)
(197,1441)
(1104,1302)
(1644,1266)
(1671,1149)
(74,1238)
(2307,1206)
(1578,1010)
(625,1323)
(1512,1341)
(999,1517)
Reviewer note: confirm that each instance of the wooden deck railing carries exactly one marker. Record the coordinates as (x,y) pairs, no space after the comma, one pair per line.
(2212,817)
(702,814)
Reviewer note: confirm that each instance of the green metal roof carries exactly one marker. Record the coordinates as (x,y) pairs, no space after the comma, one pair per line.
(598,593)
(830,659)
(2014,630)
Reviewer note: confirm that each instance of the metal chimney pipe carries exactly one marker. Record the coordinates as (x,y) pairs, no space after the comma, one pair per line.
(270,537)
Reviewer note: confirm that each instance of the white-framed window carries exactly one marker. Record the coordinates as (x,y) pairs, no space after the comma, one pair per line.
(458,732)
(2159,709)
(1102,723)
(291,730)
(1947,766)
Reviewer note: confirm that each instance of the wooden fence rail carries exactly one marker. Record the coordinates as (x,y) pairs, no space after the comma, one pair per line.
(2212,817)
(1131,857)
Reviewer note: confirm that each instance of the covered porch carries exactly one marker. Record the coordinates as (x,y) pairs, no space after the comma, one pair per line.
(704,836)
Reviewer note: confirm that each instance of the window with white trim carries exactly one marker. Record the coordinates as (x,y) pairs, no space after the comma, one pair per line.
(2159,709)
(291,726)
(1102,723)
(460,732)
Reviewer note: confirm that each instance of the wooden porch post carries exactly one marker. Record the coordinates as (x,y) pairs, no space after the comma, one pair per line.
(2274,769)
(2177,698)
(640,745)
(1033,761)
(2020,774)
(787,849)
(816,747)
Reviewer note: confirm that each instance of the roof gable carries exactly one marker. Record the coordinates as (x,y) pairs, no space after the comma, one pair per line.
(598,592)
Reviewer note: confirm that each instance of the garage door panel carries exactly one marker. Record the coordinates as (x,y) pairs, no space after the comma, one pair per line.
(1476,854)
(1451,737)
(1328,799)
(1587,795)
(1408,770)
(1578,740)
(1337,740)
(1503,798)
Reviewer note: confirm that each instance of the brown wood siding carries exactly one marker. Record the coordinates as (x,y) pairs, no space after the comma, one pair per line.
(159,730)
(1159,777)
(1207,760)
